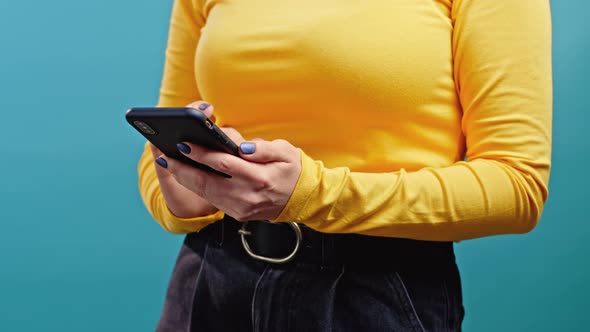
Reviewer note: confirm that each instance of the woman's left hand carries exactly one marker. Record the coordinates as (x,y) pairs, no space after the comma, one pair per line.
(261,183)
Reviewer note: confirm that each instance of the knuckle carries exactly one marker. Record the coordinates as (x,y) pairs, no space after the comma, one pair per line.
(291,151)
(281,143)
(223,164)
(263,183)
(285,146)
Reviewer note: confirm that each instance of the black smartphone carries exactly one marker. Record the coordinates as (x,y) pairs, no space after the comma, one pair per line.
(165,127)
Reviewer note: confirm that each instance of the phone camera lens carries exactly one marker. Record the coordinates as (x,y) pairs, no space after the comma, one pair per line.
(144,127)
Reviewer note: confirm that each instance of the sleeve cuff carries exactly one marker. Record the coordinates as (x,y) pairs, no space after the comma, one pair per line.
(178,225)
(306,184)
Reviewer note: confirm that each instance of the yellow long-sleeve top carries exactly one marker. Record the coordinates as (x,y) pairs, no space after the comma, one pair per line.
(419,119)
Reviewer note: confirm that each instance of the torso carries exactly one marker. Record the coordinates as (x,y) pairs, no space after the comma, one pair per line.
(363,84)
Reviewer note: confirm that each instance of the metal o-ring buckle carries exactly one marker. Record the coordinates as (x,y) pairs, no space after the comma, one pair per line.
(243,232)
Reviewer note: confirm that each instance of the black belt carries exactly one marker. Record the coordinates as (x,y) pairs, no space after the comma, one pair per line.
(280,240)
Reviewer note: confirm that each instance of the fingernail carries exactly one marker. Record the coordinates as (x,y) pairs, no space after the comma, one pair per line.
(162,162)
(183,148)
(204,106)
(248,148)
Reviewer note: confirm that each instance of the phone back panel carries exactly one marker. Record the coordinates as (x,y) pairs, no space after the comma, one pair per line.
(169,126)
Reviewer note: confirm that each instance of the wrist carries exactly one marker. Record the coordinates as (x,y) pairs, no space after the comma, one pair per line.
(199,208)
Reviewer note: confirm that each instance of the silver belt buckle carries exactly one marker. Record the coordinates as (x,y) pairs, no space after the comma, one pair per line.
(243,232)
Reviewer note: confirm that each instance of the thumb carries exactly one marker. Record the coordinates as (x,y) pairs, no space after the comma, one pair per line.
(261,151)
(204,107)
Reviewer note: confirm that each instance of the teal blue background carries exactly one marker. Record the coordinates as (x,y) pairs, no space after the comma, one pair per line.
(78,252)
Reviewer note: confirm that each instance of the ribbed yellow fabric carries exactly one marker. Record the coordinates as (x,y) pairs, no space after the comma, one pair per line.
(419,119)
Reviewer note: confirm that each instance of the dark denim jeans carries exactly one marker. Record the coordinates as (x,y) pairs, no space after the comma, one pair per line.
(218,287)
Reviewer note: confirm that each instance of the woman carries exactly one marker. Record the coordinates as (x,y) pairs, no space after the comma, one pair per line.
(373,135)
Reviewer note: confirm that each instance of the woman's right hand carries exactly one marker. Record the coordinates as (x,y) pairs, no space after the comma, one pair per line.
(181,201)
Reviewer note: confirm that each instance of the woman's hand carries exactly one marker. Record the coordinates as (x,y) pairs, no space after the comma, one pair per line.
(261,183)
(182,202)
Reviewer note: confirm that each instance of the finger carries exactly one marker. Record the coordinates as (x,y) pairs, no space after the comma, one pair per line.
(220,161)
(155,151)
(180,171)
(164,175)
(261,151)
(188,176)
(233,134)
(204,107)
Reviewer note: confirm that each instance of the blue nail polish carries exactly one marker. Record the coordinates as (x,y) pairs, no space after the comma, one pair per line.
(162,162)
(248,148)
(183,148)
(203,106)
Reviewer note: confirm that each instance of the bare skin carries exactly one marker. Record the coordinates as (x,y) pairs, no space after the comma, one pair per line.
(262,181)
